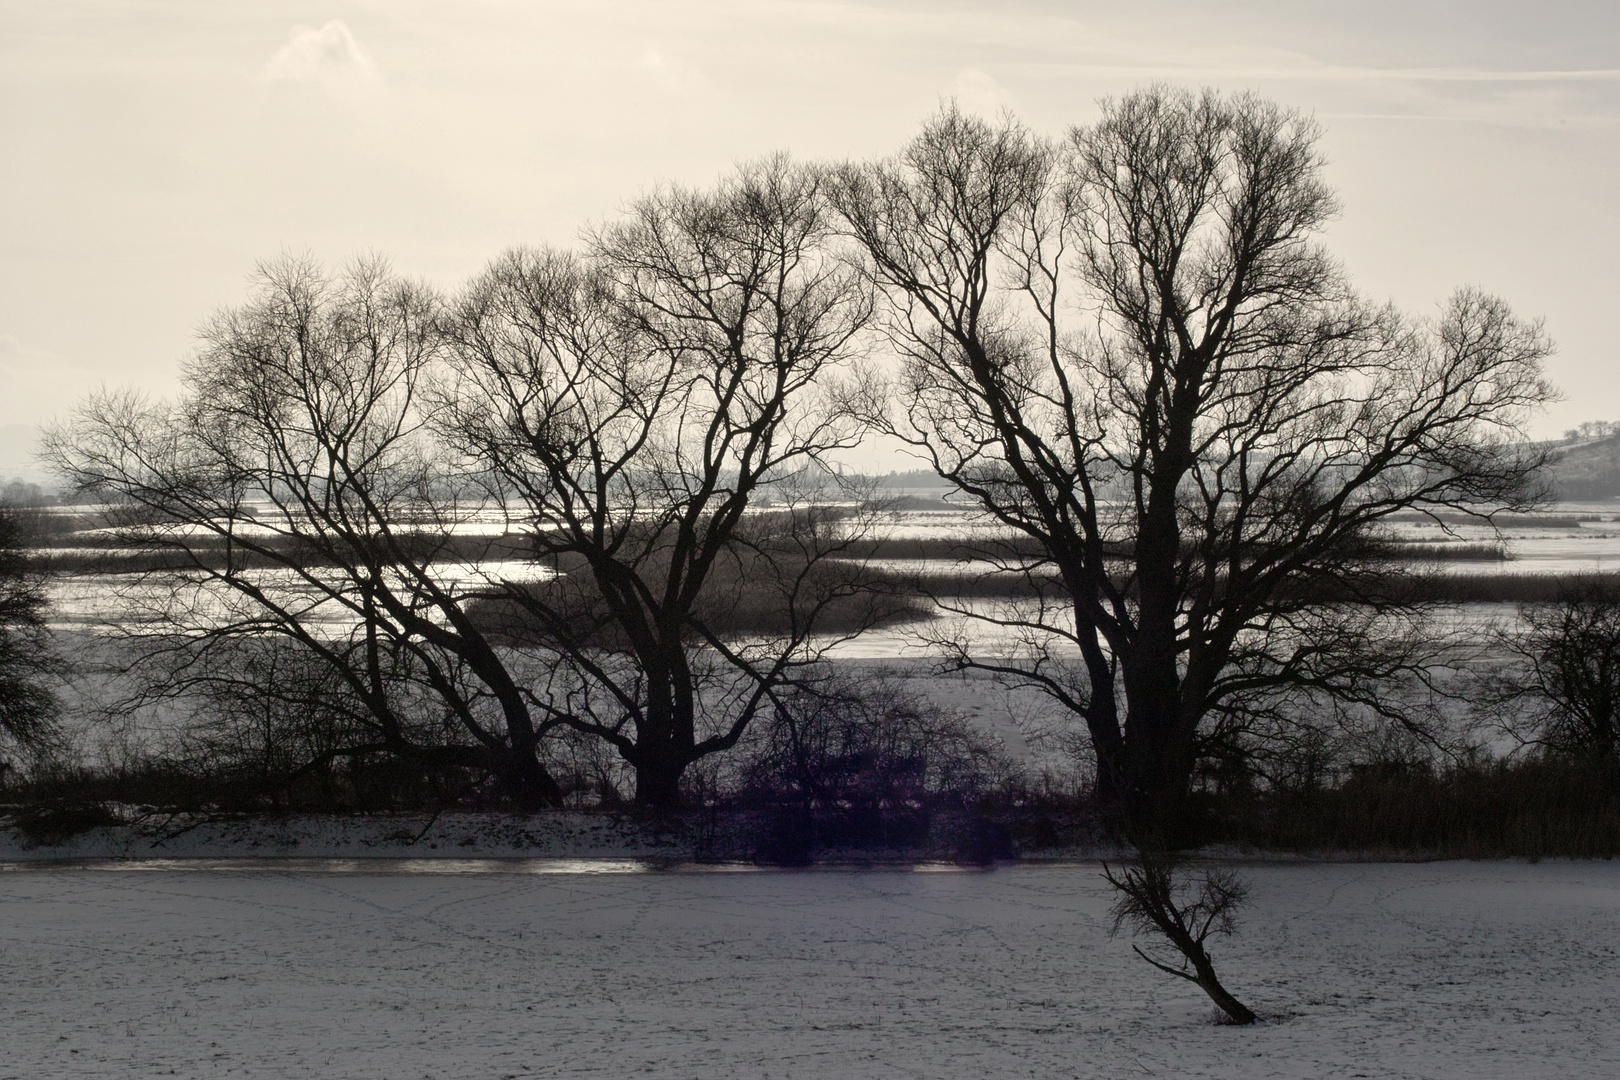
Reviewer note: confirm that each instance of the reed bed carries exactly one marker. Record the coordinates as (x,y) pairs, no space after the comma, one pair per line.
(1534,808)
(1420,587)
(1458,552)
(1013,549)
(1502,521)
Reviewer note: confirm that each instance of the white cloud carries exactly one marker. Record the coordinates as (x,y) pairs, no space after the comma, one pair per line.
(978,92)
(669,71)
(329,57)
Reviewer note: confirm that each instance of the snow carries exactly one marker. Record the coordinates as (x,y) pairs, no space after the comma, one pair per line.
(148,835)
(575,945)
(610,969)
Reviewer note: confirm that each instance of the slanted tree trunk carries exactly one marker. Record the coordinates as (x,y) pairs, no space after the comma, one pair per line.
(1203,975)
(1149,903)
(1231,1006)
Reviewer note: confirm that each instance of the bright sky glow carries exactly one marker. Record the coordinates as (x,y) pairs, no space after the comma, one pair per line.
(152,150)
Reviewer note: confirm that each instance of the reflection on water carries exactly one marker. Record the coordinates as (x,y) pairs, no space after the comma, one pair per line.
(1569,538)
(89,601)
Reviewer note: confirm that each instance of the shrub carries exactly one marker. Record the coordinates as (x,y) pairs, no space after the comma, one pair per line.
(864,764)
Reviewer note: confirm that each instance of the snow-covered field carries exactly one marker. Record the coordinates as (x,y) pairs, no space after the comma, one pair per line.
(1466,970)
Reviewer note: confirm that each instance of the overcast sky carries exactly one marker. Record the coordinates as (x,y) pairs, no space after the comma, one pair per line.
(151,152)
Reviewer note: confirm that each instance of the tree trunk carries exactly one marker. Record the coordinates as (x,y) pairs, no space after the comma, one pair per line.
(528,784)
(1238,1012)
(1157,772)
(1110,785)
(1113,784)
(1156,798)
(664,743)
(658,781)
(1157,767)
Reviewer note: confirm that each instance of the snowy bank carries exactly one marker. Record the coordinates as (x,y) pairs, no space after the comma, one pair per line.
(547,835)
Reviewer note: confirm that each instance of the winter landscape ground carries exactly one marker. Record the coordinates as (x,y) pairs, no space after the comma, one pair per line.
(611,969)
(121,956)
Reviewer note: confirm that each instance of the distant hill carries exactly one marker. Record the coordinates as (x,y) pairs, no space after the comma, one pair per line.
(1587,469)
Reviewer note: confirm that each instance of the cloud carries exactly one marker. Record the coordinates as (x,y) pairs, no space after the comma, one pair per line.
(329,57)
(670,72)
(978,92)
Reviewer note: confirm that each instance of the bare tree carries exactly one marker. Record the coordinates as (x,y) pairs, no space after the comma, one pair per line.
(536,511)
(1129,349)
(298,489)
(1152,901)
(27,705)
(1564,693)
(639,404)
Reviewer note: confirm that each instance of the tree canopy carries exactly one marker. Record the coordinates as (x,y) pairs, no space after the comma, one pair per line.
(1130,347)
